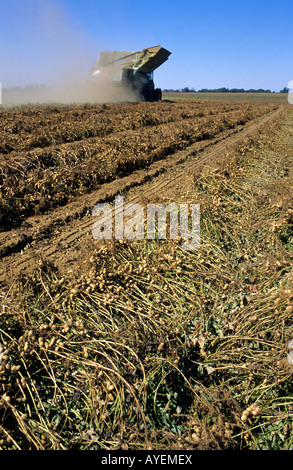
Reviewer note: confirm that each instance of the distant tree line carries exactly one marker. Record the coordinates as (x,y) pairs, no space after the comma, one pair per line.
(223,90)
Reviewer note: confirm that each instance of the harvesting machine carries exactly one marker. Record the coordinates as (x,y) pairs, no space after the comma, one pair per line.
(133,70)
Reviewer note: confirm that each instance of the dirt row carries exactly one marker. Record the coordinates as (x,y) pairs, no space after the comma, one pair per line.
(29,128)
(36,181)
(63,236)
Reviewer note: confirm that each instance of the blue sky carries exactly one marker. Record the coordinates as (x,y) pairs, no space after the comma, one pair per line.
(243,44)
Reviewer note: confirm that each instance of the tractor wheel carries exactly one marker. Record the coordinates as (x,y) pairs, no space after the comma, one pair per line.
(157,94)
(146,93)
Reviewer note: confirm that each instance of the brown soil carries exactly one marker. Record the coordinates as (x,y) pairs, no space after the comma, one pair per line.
(149,152)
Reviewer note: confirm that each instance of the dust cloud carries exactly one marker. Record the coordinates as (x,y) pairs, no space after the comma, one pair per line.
(88,90)
(69,92)
(57,56)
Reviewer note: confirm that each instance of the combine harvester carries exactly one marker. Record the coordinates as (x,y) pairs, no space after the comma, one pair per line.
(131,70)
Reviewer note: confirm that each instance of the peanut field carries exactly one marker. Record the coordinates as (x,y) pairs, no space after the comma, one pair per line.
(138,345)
